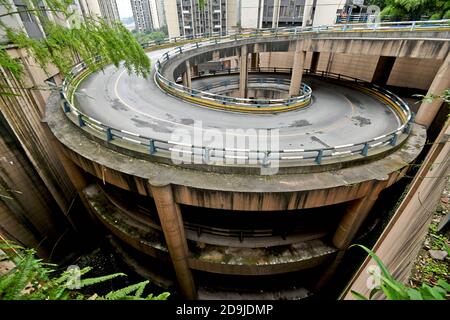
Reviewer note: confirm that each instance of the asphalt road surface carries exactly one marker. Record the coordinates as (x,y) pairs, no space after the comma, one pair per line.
(338,115)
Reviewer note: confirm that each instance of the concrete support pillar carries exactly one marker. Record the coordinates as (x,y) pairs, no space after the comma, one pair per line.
(354,216)
(297,70)
(428,111)
(276,13)
(172,225)
(243,77)
(187,76)
(383,70)
(314,61)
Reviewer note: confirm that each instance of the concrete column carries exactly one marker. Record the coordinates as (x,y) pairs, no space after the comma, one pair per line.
(297,70)
(172,225)
(428,111)
(314,61)
(243,77)
(187,76)
(383,70)
(276,13)
(354,216)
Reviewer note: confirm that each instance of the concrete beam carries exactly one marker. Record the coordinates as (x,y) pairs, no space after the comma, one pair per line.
(243,78)
(355,215)
(428,111)
(297,70)
(172,225)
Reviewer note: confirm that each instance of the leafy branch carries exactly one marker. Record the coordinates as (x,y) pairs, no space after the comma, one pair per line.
(63,45)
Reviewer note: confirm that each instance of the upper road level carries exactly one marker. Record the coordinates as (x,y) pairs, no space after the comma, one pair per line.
(347,118)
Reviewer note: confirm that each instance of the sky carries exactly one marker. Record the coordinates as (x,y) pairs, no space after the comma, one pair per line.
(124,8)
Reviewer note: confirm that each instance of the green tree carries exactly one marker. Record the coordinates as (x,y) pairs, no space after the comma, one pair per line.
(87,38)
(415,9)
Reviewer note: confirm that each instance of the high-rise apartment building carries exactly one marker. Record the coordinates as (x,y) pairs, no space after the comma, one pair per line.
(157,12)
(282,13)
(109,10)
(192,17)
(145,15)
(189,17)
(90,8)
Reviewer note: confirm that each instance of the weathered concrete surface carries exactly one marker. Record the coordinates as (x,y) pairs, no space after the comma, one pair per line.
(233,191)
(402,239)
(338,115)
(433,45)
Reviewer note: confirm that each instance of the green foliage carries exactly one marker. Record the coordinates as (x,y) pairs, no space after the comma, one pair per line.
(395,290)
(32,279)
(414,9)
(86,39)
(202,4)
(145,37)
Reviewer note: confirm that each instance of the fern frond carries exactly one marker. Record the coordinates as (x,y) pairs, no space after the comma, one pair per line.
(92,281)
(124,292)
(162,296)
(21,278)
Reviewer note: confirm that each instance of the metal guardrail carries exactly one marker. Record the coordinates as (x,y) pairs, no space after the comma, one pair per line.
(164,148)
(259,103)
(182,92)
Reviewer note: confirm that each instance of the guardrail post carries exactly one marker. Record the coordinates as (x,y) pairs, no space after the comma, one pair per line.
(66,107)
(181,50)
(319,157)
(152,147)
(394,140)
(365,150)
(413,25)
(109,135)
(408,128)
(81,121)
(197,45)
